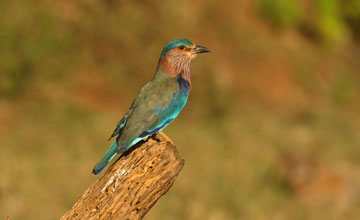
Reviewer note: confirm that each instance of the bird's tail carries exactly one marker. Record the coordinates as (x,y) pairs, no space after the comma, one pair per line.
(109,155)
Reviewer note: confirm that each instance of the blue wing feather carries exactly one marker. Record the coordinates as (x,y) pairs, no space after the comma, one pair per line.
(166,114)
(171,111)
(161,117)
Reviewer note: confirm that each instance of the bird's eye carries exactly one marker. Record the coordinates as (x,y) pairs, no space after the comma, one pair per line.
(181,47)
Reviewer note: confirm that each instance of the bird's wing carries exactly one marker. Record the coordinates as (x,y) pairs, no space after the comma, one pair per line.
(150,112)
(144,94)
(122,122)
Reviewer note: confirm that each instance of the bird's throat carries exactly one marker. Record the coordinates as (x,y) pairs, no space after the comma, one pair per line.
(174,70)
(166,67)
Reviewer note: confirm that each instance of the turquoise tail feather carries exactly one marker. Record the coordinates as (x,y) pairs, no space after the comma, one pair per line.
(109,155)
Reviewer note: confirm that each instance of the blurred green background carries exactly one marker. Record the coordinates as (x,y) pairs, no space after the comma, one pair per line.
(271,129)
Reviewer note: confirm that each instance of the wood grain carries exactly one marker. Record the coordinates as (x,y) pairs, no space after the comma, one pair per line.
(132,185)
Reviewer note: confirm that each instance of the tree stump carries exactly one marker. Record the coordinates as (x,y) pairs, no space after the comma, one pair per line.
(132,185)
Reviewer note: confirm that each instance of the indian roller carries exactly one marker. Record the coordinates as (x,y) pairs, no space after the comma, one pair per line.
(159,102)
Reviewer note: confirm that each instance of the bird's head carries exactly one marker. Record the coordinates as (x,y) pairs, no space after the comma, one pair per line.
(176,56)
(183,47)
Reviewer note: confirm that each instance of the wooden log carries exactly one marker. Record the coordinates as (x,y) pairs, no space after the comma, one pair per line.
(132,185)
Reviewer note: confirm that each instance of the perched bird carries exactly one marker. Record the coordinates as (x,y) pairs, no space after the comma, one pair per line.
(158,102)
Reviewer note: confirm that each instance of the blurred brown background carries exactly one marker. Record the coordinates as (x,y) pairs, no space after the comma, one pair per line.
(271,129)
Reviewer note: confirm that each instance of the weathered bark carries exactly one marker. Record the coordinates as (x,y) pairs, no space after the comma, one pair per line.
(132,185)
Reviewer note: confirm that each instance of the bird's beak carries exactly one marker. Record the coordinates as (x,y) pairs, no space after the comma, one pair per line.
(201,49)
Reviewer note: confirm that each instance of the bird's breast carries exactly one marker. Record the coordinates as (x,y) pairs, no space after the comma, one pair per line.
(177,102)
(183,85)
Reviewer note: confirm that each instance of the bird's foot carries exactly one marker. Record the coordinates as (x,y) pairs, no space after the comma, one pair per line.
(163,136)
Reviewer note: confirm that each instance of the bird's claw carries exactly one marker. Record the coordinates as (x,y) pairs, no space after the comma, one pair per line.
(163,136)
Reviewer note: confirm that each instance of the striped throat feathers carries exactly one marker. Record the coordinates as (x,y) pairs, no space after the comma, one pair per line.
(176,57)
